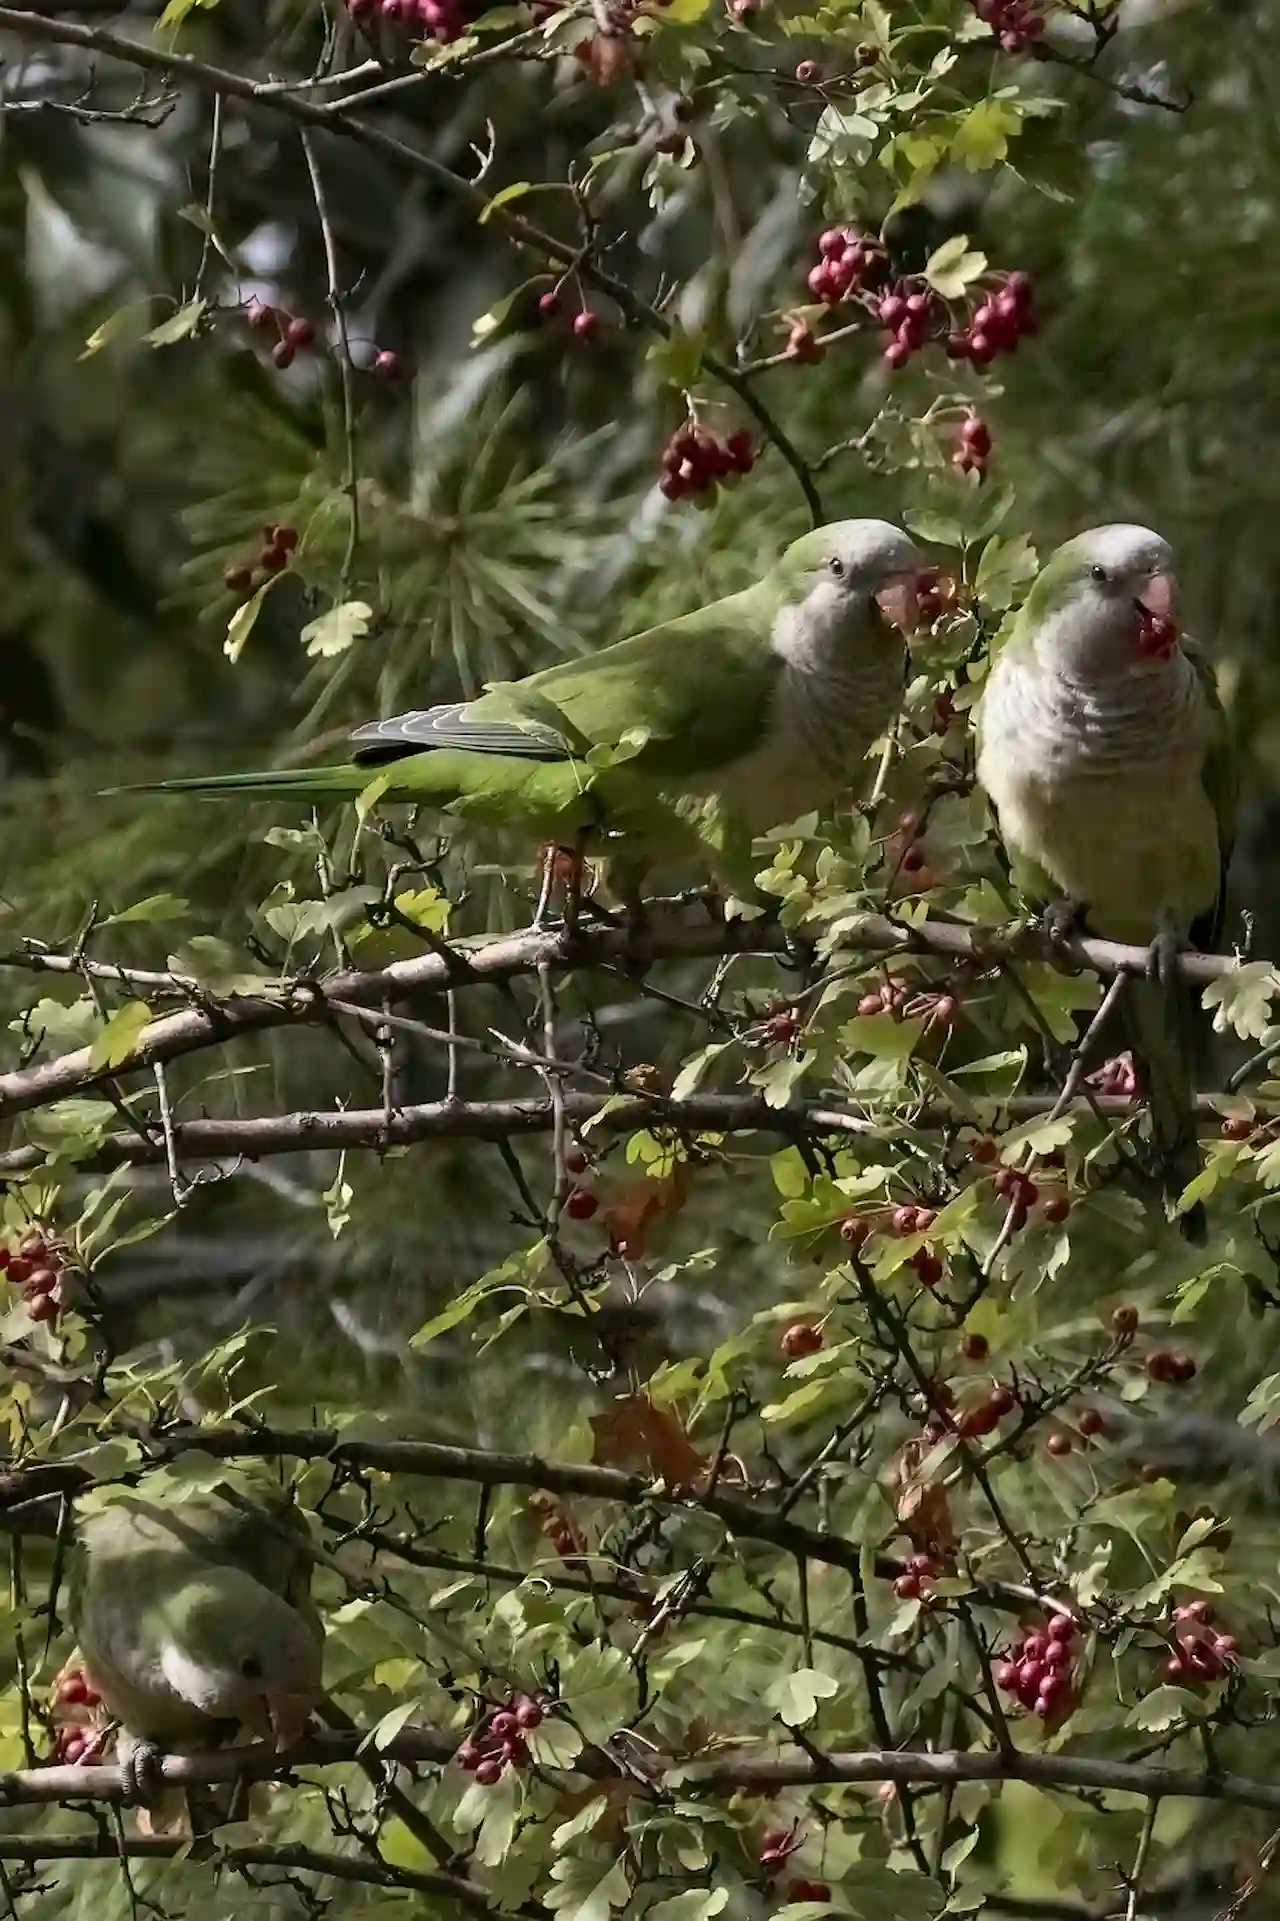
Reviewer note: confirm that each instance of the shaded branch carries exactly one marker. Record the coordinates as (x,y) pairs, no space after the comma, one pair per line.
(666,938)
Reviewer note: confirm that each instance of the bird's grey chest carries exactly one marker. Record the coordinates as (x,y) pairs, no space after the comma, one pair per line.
(821,724)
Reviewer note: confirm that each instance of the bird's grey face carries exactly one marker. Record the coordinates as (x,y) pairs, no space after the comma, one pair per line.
(842,570)
(1100,600)
(258,1663)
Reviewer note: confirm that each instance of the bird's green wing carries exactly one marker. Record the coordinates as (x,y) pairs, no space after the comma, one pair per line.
(699,689)
(1221,776)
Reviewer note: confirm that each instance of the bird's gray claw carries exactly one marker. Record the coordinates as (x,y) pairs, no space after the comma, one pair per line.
(141,1769)
(1060,922)
(1163,957)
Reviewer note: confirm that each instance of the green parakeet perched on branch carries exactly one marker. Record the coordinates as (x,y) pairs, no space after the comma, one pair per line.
(704,731)
(195,1619)
(1105,750)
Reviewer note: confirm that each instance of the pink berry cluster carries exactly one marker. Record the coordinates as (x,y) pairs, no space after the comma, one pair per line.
(35,1266)
(294,334)
(1156,634)
(1014,23)
(278,544)
(1037,1671)
(499,1741)
(586,324)
(440,20)
(781,1026)
(918,1572)
(973,448)
(997,323)
(907,318)
(696,461)
(848,263)
(1200,1654)
(800,1340)
(76,1739)
(1116,1079)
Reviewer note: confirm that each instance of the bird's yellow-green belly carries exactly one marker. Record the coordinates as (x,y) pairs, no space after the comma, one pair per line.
(1128,850)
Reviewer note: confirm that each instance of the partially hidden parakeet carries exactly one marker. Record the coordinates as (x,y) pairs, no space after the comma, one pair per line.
(194,1618)
(1106,753)
(702,732)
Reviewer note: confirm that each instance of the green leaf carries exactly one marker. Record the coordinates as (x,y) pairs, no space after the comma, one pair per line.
(982,137)
(677,359)
(954,266)
(554,1744)
(125,320)
(199,218)
(337,1199)
(939,530)
(244,619)
(177,10)
(516,191)
(337,630)
(599,1690)
(119,1037)
(180,325)
(695,1904)
(1163,1708)
(584,1893)
(794,1697)
(1240,1001)
(155,907)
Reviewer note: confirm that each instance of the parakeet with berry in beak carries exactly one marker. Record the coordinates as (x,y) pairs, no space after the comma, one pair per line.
(700,733)
(1106,753)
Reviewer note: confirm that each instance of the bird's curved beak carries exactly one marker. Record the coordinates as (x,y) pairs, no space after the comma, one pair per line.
(280,1718)
(898,599)
(1160,596)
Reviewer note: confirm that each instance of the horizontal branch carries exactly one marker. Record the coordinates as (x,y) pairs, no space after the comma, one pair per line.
(905,1766)
(668,937)
(378,1128)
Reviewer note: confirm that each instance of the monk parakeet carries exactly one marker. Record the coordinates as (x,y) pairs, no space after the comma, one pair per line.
(194,1618)
(704,731)
(1105,750)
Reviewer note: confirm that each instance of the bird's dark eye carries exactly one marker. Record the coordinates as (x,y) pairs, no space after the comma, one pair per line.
(251,1668)
(1099,574)
(836,566)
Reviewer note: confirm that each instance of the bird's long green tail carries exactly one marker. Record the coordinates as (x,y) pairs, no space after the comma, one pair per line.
(344,779)
(1159,1027)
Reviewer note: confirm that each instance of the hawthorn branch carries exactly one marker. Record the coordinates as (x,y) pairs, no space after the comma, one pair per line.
(667,938)
(906,1766)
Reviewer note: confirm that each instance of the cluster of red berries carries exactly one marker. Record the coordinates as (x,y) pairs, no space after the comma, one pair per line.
(498,1742)
(1201,1655)
(848,263)
(908,318)
(1014,24)
(997,323)
(586,324)
(277,550)
(35,1266)
(1037,1671)
(440,20)
(1237,1127)
(889,999)
(917,1573)
(1022,1194)
(294,332)
(1116,1079)
(800,1340)
(75,1740)
(1173,1365)
(1090,1422)
(782,1026)
(695,461)
(777,1845)
(905,850)
(936,594)
(982,1417)
(556,1525)
(801,1889)
(1156,634)
(974,446)
(902,1219)
(75,1745)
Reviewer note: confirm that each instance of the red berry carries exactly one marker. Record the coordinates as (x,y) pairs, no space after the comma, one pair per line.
(808,72)
(19,1269)
(1160,1364)
(1090,1422)
(907,1587)
(1057,1655)
(283,354)
(489,1773)
(586,325)
(503,1725)
(1059,1443)
(1175,1668)
(529,1715)
(1005,1674)
(1124,1322)
(1062,1628)
(285,537)
(897,354)
(42,1307)
(1034,1647)
(576,1161)
(1051,1689)
(1182,1368)
(979,1420)
(801,1339)
(580,1204)
(548,304)
(1237,1129)
(43,1281)
(1057,1208)
(259,315)
(983,1150)
(300,332)
(928,1267)
(803,343)
(913,861)
(386,363)
(975,1347)
(1003,1399)
(1226,1646)
(74,1689)
(238,579)
(854,1231)
(469,1756)
(273,560)
(72,1747)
